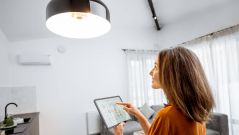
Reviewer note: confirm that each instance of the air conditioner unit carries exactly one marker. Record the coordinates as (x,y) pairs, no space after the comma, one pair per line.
(34,59)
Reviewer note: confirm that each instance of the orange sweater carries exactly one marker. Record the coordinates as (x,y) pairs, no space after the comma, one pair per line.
(171,121)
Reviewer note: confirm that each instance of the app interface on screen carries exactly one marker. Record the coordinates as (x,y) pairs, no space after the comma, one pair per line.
(111,112)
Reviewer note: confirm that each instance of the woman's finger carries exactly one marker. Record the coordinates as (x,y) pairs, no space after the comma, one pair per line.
(126,109)
(123,103)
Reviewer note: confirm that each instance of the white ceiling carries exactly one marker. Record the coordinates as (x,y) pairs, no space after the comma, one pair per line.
(25,19)
(170,11)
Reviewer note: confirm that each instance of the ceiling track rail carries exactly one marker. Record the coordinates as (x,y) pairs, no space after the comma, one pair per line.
(154,14)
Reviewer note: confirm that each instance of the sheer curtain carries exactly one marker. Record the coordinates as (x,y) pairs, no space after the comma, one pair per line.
(219,55)
(140,63)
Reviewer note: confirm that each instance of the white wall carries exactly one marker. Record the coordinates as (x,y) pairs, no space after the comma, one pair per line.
(4,76)
(4,66)
(88,69)
(199,24)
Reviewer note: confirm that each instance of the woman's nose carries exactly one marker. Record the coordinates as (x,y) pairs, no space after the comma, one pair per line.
(151,72)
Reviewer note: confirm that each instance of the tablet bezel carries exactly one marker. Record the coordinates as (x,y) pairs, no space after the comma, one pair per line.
(95,102)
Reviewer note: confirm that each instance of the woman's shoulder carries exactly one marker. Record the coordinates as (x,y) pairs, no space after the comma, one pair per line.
(165,120)
(172,121)
(174,115)
(168,108)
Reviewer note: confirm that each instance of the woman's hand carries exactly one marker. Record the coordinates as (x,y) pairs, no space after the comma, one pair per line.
(130,108)
(118,130)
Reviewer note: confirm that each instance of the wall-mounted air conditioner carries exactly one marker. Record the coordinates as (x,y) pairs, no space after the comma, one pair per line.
(34,59)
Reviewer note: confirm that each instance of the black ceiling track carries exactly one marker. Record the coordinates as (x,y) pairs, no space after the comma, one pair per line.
(154,14)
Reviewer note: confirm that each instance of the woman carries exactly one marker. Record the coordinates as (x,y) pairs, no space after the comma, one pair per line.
(179,73)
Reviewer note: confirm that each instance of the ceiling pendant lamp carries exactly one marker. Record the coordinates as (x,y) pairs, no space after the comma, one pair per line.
(77,18)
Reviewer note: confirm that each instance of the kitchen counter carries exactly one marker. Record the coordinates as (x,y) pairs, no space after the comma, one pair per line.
(28,128)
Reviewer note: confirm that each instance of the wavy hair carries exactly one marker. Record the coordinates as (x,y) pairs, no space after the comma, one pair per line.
(184,83)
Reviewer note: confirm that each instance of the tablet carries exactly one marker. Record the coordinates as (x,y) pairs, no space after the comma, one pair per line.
(111,113)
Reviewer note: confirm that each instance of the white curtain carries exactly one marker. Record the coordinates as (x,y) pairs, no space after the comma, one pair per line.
(140,63)
(219,55)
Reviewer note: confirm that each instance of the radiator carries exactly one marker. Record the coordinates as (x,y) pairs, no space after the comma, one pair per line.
(93,123)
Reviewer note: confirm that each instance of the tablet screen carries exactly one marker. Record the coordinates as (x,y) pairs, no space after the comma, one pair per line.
(111,113)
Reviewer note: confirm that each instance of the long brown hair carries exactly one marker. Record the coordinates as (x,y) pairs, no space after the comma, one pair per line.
(184,83)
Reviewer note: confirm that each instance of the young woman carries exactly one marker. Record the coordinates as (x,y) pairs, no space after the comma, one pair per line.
(179,73)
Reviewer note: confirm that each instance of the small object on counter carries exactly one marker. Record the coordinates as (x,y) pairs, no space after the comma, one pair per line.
(18,120)
(8,121)
(26,120)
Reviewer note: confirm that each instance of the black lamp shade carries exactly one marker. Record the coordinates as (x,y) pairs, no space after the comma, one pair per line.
(73,19)
(60,6)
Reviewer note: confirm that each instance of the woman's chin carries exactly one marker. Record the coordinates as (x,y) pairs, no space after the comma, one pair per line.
(155,87)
